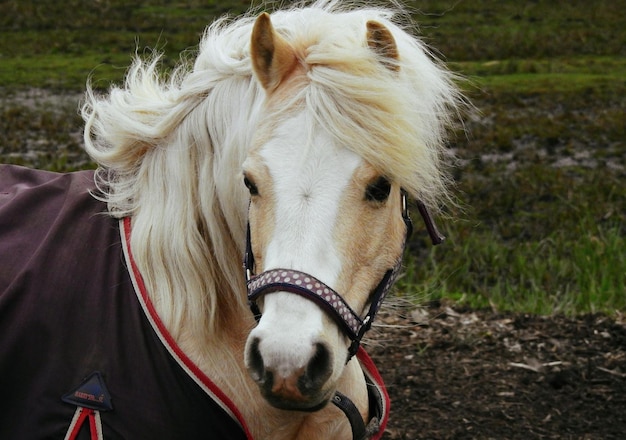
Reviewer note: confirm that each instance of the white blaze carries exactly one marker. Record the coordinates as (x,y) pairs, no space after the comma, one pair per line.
(309,182)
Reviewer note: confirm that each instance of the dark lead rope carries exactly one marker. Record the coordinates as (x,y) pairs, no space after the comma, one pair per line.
(352,413)
(361,431)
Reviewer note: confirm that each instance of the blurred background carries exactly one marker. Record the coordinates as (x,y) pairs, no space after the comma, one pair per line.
(541,158)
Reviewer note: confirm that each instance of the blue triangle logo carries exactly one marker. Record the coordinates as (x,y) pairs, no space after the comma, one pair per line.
(91,393)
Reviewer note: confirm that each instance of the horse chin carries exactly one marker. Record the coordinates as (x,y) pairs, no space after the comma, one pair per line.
(308,405)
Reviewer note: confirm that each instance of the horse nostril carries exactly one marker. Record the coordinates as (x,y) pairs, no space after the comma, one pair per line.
(255,361)
(319,368)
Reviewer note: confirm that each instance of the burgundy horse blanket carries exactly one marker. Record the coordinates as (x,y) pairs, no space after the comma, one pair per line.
(83,354)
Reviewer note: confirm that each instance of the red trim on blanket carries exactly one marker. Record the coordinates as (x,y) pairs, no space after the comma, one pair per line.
(82,414)
(370,369)
(93,426)
(171,344)
(76,424)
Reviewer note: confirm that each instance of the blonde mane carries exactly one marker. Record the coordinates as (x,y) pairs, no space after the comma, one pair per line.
(170,150)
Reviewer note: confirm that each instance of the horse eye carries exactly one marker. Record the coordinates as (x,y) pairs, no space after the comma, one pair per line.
(251,186)
(378,191)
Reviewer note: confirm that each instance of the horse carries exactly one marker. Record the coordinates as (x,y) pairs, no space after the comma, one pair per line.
(294,140)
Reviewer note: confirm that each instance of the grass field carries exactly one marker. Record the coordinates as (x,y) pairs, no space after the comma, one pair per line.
(541,219)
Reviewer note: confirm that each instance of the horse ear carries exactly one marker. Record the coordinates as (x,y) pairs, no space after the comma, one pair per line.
(381,41)
(272,56)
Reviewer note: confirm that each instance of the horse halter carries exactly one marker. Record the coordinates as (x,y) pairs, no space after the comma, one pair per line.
(303,284)
(300,283)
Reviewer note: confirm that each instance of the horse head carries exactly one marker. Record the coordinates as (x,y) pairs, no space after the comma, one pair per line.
(336,115)
(323,222)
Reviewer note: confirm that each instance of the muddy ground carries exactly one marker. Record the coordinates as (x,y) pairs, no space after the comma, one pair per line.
(462,374)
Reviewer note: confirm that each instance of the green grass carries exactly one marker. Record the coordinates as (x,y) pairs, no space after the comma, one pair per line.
(557,274)
(544,76)
(500,30)
(42,45)
(61,72)
(540,181)
(536,239)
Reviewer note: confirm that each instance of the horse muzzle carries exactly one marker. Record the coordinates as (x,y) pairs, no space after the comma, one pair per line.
(286,385)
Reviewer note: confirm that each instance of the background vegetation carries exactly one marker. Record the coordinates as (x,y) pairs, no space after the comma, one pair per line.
(540,175)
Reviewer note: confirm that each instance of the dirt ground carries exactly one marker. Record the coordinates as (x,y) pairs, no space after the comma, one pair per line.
(464,374)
